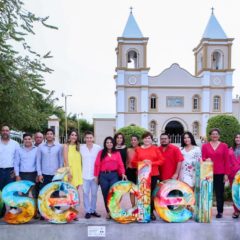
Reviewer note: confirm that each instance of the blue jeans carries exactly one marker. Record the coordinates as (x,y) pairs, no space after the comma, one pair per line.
(90,188)
(6,176)
(106,180)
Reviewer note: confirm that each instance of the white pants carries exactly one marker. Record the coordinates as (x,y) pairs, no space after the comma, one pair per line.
(89,188)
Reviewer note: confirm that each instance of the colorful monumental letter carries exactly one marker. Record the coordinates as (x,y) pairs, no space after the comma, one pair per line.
(47,204)
(26,204)
(236,190)
(114,198)
(144,186)
(142,192)
(170,207)
(203,192)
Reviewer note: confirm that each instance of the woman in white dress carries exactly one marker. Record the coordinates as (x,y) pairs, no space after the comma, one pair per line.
(192,154)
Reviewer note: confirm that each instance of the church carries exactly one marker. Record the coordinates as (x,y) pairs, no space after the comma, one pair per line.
(175,100)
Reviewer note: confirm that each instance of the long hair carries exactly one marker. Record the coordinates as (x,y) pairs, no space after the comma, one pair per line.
(77,143)
(193,142)
(119,134)
(234,143)
(105,150)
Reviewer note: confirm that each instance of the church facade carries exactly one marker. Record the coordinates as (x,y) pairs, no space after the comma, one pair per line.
(175,100)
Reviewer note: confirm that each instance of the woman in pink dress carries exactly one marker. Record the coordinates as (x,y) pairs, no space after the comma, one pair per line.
(217,152)
(234,166)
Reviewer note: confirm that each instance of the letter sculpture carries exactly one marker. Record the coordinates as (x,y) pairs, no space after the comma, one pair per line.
(114,198)
(172,208)
(144,186)
(236,190)
(141,212)
(47,203)
(25,204)
(203,192)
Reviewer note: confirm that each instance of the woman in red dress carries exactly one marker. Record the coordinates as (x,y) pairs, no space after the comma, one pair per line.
(149,154)
(217,152)
(234,166)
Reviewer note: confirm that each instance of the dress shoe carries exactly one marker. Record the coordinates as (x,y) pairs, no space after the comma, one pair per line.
(95,214)
(87,215)
(219,215)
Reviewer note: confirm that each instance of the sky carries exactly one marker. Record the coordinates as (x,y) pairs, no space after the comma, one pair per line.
(83,47)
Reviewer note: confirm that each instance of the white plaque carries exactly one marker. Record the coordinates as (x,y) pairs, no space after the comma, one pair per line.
(96,231)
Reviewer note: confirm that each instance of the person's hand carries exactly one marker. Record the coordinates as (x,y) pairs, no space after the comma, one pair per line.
(40,179)
(37,179)
(208,160)
(175,176)
(18,178)
(124,177)
(96,180)
(70,177)
(225,179)
(147,162)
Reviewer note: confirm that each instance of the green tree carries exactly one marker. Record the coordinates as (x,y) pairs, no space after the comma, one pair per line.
(24,102)
(73,124)
(131,130)
(228,126)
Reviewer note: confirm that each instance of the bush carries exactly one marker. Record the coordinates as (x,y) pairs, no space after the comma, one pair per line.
(228,193)
(228,126)
(129,131)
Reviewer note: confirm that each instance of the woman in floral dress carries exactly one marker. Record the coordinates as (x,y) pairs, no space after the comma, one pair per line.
(192,154)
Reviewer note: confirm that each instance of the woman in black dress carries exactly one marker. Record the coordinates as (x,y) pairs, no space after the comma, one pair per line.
(121,147)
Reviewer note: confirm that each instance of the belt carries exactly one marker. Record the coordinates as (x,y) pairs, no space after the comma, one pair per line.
(106,171)
(9,168)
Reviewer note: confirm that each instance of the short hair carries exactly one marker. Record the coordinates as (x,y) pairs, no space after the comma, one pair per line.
(88,133)
(214,130)
(49,130)
(147,134)
(136,136)
(118,134)
(27,135)
(165,134)
(4,126)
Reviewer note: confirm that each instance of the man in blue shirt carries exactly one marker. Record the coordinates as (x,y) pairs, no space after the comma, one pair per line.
(25,164)
(49,159)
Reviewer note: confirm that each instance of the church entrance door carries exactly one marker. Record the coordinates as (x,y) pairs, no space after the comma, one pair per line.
(175,129)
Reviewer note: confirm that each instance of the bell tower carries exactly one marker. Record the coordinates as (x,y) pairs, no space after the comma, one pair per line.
(213,64)
(131,71)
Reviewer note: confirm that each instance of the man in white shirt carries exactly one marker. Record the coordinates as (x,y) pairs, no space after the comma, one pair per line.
(8,150)
(89,153)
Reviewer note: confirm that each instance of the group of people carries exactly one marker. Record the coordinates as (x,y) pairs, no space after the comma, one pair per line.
(90,165)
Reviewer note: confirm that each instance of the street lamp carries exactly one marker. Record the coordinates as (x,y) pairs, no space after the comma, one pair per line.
(78,123)
(66,125)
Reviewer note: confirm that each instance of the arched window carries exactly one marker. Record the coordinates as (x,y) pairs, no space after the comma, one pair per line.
(153,102)
(217,60)
(132,59)
(153,128)
(216,103)
(196,103)
(195,129)
(132,104)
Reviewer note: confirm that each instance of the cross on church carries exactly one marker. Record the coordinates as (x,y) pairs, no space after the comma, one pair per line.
(212,9)
(131,8)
